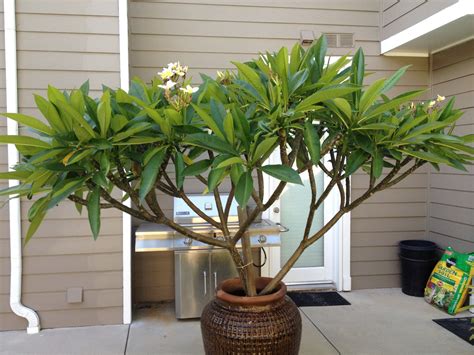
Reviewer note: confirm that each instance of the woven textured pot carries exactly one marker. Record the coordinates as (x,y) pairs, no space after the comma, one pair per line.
(237,325)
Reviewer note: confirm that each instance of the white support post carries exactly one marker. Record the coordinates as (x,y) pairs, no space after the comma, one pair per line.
(126,218)
(13,158)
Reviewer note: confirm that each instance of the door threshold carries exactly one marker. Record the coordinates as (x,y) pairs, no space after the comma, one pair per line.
(313,287)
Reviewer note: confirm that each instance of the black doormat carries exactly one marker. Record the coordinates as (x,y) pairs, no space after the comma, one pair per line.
(317,299)
(459,326)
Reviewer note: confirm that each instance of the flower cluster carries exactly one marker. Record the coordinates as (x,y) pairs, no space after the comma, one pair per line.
(178,92)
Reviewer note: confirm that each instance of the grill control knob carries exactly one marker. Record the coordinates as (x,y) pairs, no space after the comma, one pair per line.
(276,210)
(262,239)
(187,241)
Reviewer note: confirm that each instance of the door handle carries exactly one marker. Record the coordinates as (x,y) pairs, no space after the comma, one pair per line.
(215,279)
(205,282)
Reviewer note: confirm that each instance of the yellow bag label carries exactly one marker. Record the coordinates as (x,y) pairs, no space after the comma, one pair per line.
(448,284)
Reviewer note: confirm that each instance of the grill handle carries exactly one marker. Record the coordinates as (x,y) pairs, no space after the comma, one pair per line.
(283,229)
(204,273)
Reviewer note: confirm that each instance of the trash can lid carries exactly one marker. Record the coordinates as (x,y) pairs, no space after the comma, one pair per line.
(417,245)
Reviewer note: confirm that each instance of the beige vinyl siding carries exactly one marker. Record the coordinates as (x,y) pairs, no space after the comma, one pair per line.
(208,35)
(398,15)
(451,192)
(64,43)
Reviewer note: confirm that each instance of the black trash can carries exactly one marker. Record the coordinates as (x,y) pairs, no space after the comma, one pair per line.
(418,258)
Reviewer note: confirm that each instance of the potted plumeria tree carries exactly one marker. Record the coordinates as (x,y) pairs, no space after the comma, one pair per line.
(293,102)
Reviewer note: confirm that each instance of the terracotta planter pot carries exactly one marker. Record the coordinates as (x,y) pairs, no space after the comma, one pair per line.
(233,324)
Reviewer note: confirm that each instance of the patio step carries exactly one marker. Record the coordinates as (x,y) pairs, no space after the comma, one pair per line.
(319,287)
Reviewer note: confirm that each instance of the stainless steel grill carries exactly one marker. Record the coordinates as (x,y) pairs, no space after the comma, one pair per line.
(200,267)
(158,237)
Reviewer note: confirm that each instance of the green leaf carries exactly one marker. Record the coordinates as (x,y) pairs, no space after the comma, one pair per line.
(253,78)
(244,189)
(427,156)
(79,155)
(93,211)
(376,126)
(150,173)
(136,128)
(210,142)
(323,95)
(229,128)
(312,142)
(150,154)
(393,80)
(24,140)
(16,190)
(117,122)
(393,103)
(343,106)
(39,206)
(377,164)
(427,127)
(468,138)
(410,123)
(104,114)
(283,173)
(33,227)
(31,122)
(15,175)
(55,96)
(197,168)
(355,160)
(179,167)
(295,57)
(209,121)
(214,178)
(296,80)
(230,161)
(370,95)
(236,171)
(77,101)
(50,113)
(69,111)
(64,191)
(263,148)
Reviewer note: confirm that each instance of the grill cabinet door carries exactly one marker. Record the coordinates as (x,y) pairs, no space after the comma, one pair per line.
(192,282)
(222,268)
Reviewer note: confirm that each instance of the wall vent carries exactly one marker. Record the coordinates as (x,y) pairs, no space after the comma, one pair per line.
(340,40)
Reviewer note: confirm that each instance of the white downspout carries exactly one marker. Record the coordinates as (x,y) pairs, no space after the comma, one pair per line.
(13,158)
(126,218)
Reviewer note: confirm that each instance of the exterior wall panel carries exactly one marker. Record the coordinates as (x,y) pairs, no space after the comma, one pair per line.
(451,192)
(64,43)
(208,35)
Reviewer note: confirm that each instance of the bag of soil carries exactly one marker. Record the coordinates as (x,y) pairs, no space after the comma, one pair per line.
(447,287)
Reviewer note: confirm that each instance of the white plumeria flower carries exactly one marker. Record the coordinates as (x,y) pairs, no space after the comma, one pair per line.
(168,85)
(180,70)
(432,103)
(440,98)
(166,73)
(189,89)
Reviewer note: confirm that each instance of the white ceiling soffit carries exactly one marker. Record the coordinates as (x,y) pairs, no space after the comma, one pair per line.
(448,27)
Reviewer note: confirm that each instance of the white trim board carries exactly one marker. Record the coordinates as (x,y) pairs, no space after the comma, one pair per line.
(439,19)
(126,218)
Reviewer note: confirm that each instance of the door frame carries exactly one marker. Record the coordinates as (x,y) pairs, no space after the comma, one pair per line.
(337,246)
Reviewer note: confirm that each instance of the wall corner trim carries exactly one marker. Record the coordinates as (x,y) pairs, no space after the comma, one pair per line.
(126,218)
(13,158)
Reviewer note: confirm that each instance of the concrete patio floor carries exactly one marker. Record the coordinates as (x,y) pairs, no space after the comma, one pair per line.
(381,321)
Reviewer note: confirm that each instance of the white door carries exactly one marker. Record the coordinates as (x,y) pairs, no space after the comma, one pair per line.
(319,262)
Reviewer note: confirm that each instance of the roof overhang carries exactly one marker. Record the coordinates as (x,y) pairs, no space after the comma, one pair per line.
(446,28)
